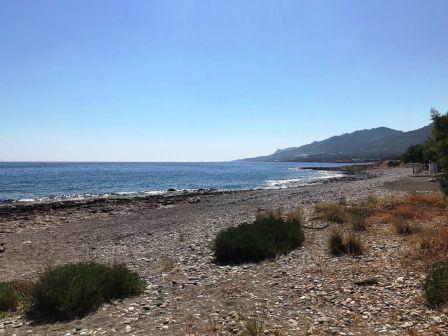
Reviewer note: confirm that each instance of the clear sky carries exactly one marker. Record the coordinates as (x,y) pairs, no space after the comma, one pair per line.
(212,80)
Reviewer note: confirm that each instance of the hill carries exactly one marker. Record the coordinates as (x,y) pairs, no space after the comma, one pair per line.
(365,145)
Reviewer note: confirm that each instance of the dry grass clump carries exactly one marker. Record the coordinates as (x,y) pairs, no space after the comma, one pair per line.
(212,327)
(249,323)
(252,327)
(265,214)
(166,265)
(371,199)
(405,228)
(340,243)
(355,215)
(431,245)
(357,219)
(422,206)
(426,199)
(24,289)
(254,323)
(296,216)
(331,212)
(404,211)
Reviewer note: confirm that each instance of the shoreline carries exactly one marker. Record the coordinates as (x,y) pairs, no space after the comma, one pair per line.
(348,174)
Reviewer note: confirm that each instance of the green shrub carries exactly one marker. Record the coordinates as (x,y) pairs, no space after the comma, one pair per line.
(8,297)
(73,290)
(443,183)
(265,238)
(339,244)
(124,282)
(436,285)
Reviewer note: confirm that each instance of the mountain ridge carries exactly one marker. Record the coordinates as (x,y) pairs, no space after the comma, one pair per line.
(373,144)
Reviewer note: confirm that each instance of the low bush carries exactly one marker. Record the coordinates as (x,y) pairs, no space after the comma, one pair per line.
(340,243)
(265,238)
(8,297)
(335,213)
(436,285)
(73,290)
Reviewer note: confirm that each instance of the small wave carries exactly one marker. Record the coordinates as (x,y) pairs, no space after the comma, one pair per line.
(297,182)
(327,175)
(278,184)
(27,200)
(82,197)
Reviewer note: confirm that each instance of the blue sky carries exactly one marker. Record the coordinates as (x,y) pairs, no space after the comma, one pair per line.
(212,80)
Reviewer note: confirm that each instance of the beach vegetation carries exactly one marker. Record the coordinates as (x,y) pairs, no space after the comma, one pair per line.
(263,214)
(393,163)
(73,290)
(8,297)
(436,285)
(408,208)
(430,245)
(415,154)
(331,212)
(296,216)
(404,227)
(265,238)
(340,243)
(167,265)
(443,183)
(371,199)
(357,218)
(435,149)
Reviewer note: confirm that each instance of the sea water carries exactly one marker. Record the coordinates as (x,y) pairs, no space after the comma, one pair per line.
(41,181)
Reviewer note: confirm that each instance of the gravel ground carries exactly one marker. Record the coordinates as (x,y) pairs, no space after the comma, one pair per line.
(167,240)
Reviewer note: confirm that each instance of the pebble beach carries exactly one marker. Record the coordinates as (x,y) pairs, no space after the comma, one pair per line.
(166,239)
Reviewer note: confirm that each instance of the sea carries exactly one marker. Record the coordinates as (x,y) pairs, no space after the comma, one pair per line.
(34,181)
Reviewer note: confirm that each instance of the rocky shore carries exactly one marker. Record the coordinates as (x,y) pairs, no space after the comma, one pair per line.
(167,240)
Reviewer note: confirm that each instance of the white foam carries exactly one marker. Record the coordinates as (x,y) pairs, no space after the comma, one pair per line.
(297,182)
